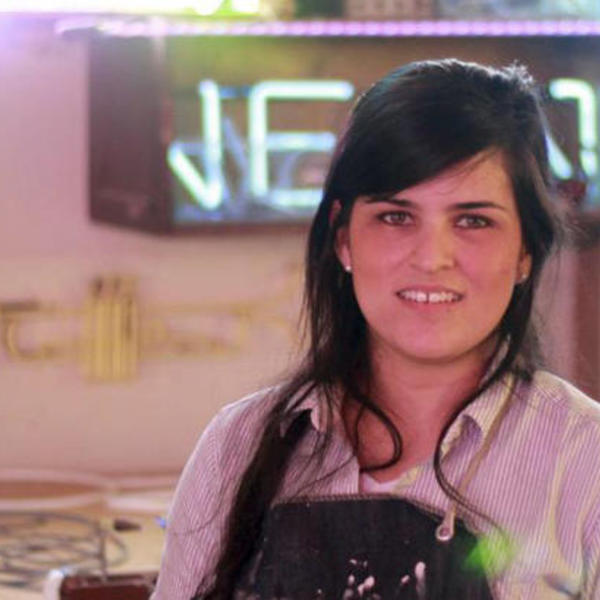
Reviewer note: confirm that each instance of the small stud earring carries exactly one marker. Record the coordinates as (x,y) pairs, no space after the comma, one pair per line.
(348,268)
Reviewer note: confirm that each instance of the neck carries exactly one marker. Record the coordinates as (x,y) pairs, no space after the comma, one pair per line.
(419,397)
(415,392)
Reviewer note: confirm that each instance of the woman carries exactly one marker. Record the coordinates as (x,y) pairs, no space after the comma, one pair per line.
(418,451)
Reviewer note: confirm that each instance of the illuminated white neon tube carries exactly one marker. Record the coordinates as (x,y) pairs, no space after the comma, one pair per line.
(205,195)
(587,118)
(213,140)
(261,141)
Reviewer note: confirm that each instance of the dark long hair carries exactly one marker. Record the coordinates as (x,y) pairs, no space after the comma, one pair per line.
(408,127)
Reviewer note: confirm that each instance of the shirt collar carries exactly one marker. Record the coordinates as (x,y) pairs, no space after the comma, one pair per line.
(484,408)
(481,412)
(315,402)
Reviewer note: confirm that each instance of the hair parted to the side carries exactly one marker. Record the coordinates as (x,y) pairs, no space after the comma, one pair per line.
(408,127)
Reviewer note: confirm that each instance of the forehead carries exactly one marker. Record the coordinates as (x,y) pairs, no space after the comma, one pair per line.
(482,178)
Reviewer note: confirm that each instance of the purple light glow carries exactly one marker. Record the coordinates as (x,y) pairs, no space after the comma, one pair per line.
(160,28)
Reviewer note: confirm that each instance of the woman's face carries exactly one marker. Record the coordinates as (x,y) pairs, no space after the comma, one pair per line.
(434,266)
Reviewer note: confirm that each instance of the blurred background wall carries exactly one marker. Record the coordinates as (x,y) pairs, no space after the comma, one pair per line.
(50,415)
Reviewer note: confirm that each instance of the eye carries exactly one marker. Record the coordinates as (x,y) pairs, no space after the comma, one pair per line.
(397,217)
(473,222)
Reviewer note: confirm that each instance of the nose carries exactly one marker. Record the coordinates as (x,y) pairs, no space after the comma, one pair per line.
(433,250)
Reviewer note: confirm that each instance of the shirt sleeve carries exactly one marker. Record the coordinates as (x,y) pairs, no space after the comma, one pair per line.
(196,521)
(591,589)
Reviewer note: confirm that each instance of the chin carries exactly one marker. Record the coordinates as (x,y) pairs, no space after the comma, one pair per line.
(433,357)
(437,353)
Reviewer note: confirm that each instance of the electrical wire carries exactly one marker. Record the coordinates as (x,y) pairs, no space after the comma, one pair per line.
(32,544)
(34,540)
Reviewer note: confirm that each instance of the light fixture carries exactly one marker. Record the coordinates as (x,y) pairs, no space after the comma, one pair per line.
(392,29)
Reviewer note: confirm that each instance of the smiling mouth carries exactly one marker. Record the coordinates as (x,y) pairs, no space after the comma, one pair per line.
(420,297)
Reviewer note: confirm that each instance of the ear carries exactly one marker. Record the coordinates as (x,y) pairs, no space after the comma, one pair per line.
(524,268)
(342,239)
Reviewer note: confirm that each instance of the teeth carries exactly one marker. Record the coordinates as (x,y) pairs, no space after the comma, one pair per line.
(432,297)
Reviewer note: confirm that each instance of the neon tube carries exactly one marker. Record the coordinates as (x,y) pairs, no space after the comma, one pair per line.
(260,141)
(587,118)
(213,142)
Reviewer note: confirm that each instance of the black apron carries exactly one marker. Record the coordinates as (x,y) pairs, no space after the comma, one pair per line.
(370,548)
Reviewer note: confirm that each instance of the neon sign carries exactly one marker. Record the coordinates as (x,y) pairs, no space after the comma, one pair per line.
(208,188)
(261,141)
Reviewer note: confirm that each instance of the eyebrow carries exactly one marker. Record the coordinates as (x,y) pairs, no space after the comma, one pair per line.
(458,206)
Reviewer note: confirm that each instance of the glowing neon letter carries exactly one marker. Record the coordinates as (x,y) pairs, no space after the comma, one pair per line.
(187,173)
(209,193)
(261,142)
(584,94)
(559,163)
(213,140)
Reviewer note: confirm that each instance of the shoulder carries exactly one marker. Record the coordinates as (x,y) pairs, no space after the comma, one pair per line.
(220,455)
(562,405)
(247,412)
(235,431)
(558,394)
(250,414)
(570,421)
(238,425)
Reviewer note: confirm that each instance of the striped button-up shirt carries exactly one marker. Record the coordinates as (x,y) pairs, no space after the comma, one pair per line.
(539,481)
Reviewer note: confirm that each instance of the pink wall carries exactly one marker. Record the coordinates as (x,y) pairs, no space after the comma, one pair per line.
(49,251)
(49,415)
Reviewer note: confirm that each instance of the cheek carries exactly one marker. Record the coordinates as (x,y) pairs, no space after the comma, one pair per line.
(377,267)
(370,256)
(374,275)
(495,277)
